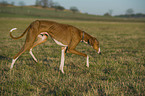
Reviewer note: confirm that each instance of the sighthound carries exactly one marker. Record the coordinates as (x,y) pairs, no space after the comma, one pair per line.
(64,35)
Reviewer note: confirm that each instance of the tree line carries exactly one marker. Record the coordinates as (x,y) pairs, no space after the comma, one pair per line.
(50,4)
(129,13)
(43,4)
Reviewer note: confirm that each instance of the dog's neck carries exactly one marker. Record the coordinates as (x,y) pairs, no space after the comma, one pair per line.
(86,38)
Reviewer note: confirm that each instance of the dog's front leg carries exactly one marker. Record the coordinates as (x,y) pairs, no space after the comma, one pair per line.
(79,53)
(62,59)
(87,61)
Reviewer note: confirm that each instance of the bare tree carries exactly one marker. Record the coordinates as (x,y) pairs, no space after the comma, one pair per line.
(12,3)
(129,11)
(50,3)
(44,3)
(74,9)
(110,12)
(57,6)
(22,3)
(4,3)
(37,3)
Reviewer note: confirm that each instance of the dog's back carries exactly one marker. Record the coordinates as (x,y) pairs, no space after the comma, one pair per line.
(63,33)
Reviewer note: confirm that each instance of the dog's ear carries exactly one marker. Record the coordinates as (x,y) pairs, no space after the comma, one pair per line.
(96,41)
(91,41)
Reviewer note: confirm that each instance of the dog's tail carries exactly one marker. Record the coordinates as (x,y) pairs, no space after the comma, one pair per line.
(19,36)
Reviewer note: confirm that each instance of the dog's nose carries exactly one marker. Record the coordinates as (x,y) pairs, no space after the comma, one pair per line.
(100,53)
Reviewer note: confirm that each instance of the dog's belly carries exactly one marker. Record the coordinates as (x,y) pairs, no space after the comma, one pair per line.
(59,43)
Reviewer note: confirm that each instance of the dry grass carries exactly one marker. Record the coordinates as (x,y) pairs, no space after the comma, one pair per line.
(118,71)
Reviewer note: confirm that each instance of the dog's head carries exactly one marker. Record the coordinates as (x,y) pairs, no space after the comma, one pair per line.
(95,44)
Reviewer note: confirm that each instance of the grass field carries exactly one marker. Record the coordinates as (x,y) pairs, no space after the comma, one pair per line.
(119,71)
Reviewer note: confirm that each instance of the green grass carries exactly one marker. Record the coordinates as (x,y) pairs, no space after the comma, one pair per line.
(119,71)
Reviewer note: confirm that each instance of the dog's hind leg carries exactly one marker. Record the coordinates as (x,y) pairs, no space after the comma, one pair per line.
(40,39)
(23,49)
(27,46)
(33,55)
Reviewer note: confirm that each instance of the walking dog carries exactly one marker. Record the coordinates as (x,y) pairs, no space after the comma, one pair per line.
(64,35)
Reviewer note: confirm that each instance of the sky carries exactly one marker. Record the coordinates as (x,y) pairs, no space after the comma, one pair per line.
(97,7)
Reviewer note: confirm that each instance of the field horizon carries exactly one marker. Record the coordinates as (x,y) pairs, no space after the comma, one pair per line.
(41,13)
(119,71)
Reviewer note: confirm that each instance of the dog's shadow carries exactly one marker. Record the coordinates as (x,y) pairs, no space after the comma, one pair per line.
(4,68)
(4,57)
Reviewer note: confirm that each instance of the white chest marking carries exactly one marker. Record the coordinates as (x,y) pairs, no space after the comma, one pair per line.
(84,41)
(59,43)
(42,37)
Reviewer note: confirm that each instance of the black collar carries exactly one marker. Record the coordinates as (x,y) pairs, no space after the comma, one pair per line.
(83,36)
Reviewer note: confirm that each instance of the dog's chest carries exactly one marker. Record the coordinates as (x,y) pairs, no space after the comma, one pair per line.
(59,43)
